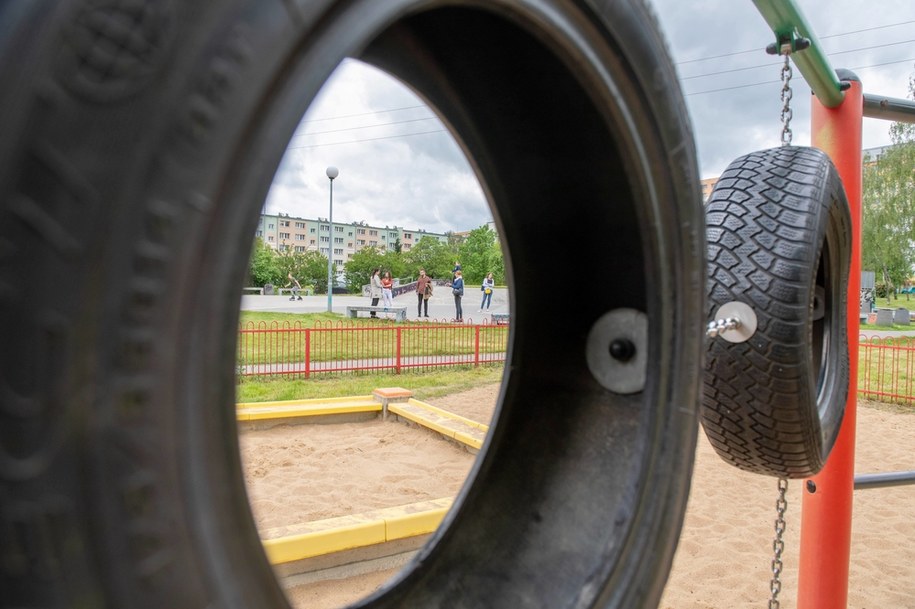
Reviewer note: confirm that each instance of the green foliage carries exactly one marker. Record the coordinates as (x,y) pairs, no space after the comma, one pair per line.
(263,268)
(359,267)
(270,266)
(310,268)
(430,254)
(480,254)
(888,232)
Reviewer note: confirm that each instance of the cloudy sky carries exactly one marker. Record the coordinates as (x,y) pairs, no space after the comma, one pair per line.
(399,166)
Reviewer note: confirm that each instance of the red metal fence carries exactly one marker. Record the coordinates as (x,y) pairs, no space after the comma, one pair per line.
(295,350)
(886,368)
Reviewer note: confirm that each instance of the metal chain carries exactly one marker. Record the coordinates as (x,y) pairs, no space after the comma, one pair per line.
(720,326)
(786,102)
(778,544)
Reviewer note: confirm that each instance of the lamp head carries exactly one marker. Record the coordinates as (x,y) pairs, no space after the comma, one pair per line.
(332,172)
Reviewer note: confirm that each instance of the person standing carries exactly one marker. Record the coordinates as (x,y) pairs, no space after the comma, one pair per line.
(387,293)
(374,290)
(296,286)
(457,288)
(489,284)
(423,293)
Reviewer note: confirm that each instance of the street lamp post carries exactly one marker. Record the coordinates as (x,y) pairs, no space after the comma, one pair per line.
(331,174)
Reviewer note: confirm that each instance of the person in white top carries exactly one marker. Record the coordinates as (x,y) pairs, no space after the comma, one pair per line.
(375,290)
(488,287)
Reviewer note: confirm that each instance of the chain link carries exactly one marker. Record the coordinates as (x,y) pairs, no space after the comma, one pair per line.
(778,544)
(786,102)
(720,326)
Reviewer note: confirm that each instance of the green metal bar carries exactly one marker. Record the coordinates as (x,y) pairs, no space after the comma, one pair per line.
(788,24)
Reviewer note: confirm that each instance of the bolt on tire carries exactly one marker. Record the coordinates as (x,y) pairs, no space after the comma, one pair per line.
(139,142)
(779,241)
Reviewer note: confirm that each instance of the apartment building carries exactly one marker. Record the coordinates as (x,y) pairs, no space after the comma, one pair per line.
(287,233)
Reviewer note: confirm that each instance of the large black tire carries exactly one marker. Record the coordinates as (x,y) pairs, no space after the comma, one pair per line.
(138,142)
(779,238)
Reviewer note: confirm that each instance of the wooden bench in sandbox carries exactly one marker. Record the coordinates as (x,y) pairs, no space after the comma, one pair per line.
(400,311)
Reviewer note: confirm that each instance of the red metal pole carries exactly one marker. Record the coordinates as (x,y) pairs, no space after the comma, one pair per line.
(827,504)
(476,347)
(307,352)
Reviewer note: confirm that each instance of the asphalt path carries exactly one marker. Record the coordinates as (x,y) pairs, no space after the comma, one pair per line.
(441,305)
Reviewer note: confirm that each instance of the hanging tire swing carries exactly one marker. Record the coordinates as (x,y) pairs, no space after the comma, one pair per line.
(779,246)
(139,142)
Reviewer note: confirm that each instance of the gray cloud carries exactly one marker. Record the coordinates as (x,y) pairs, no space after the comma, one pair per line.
(398,168)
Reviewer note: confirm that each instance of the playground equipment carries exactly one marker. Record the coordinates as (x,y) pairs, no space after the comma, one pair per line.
(838,108)
(139,141)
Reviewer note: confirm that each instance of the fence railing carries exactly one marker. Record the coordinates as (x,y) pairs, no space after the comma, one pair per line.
(301,351)
(886,368)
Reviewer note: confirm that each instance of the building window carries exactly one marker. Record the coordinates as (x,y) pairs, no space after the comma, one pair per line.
(312,230)
(338,239)
(300,237)
(361,231)
(373,233)
(325,239)
(300,225)
(284,222)
(270,238)
(408,236)
(284,235)
(270,225)
(312,241)
(300,248)
(325,228)
(338,229)
(338,251)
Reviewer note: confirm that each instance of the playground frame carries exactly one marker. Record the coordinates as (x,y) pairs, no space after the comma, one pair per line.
(838,108)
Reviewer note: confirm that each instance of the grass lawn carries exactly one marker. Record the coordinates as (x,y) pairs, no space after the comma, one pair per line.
(425,383)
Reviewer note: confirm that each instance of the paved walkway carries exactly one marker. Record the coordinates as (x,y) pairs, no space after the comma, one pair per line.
(441,305)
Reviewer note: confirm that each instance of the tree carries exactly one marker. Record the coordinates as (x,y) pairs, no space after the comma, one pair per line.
(480,254)
(359,267)
(888,232)
(430,254)
(263,268)
(310,268)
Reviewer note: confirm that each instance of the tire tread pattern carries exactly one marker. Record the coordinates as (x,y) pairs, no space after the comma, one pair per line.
(767,220)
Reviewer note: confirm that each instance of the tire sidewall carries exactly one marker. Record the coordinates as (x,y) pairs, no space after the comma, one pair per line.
(153,179)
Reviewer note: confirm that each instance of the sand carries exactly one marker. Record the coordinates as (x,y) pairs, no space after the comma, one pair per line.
(723,561)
